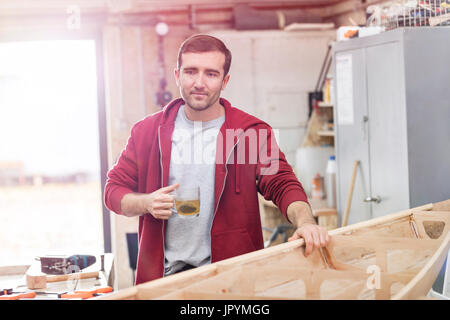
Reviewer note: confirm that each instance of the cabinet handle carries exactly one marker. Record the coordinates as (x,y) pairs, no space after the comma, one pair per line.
(377,199)
(365,119)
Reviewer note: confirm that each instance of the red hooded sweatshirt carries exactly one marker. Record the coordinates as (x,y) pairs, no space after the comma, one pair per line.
(143,167)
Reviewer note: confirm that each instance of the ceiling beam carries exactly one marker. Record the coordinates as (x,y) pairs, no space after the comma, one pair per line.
(17,6)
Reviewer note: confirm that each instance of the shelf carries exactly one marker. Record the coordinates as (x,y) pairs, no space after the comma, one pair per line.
(325,105)
(326,133)
(317,122)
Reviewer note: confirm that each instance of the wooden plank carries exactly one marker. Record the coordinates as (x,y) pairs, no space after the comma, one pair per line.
(420,284)
(441,206)
(379,221)
(13,270)
(325,133)
(382,242)
(279,283)
(350,193)
(397,228)
(288,246)
(178,280)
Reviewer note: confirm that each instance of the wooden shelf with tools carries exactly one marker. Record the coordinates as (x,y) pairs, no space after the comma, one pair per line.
(323,104)
(319,133)
(325,133)
(320,126)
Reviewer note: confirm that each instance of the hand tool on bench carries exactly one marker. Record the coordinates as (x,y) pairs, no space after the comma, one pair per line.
(6,291)
(88,293)
(18,295)
(74,295)
(63,264)
(47,293)
(96,290)
(10,294)
(40,280)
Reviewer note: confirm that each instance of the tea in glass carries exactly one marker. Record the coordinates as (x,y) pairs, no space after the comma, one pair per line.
(187,201)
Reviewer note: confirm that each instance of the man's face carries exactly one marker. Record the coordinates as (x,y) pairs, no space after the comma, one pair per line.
(201,78)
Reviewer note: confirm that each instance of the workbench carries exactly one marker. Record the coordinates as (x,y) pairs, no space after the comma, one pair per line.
(14,277)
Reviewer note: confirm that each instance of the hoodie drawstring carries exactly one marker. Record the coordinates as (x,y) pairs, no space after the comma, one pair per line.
(238,185)
(237,171)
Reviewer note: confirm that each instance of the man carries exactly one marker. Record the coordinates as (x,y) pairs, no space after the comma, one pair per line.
(235,157)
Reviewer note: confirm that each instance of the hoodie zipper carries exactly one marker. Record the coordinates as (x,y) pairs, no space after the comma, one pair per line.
(220,196)
(162,184)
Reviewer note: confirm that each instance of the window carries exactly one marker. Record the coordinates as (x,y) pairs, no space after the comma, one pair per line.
(50,183)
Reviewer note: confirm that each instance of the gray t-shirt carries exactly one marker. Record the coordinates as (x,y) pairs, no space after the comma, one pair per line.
(192,163)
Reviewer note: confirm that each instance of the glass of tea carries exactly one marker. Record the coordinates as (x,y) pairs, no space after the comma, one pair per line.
(187,200)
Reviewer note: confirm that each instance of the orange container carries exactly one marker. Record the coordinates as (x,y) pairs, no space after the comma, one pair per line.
(317,190)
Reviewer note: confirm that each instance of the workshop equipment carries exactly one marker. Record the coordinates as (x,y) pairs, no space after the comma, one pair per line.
(317,95)
(411,14)
(18,295)
(280,229)
(101,290)
(75,295)
(48,294)
(39,280)
(63,264)
(86,294)
(6,291)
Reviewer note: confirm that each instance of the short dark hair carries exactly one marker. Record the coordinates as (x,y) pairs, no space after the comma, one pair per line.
(204,43)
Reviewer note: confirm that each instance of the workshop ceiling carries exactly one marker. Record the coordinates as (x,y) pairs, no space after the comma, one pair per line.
(130,6)
(229,13)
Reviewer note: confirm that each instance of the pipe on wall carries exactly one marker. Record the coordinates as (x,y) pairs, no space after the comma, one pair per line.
(247,18)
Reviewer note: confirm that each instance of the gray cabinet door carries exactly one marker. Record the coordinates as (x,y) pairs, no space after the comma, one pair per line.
(351,133)
(387,128)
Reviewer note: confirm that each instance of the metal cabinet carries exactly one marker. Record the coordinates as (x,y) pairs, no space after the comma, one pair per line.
(392,113)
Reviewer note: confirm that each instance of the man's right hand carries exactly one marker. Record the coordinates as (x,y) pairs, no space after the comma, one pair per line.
(158,203)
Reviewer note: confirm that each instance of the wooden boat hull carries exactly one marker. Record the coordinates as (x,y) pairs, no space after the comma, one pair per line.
(397,256)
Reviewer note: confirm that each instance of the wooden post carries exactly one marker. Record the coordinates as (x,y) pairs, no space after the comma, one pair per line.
(350,194)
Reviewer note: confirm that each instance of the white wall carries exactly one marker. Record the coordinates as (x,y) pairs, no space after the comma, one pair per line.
(271,75)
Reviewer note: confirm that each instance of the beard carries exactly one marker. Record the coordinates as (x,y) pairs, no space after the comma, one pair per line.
(201,102)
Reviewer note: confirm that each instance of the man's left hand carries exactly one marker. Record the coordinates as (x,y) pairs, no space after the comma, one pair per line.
(300,215)
(315,236)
